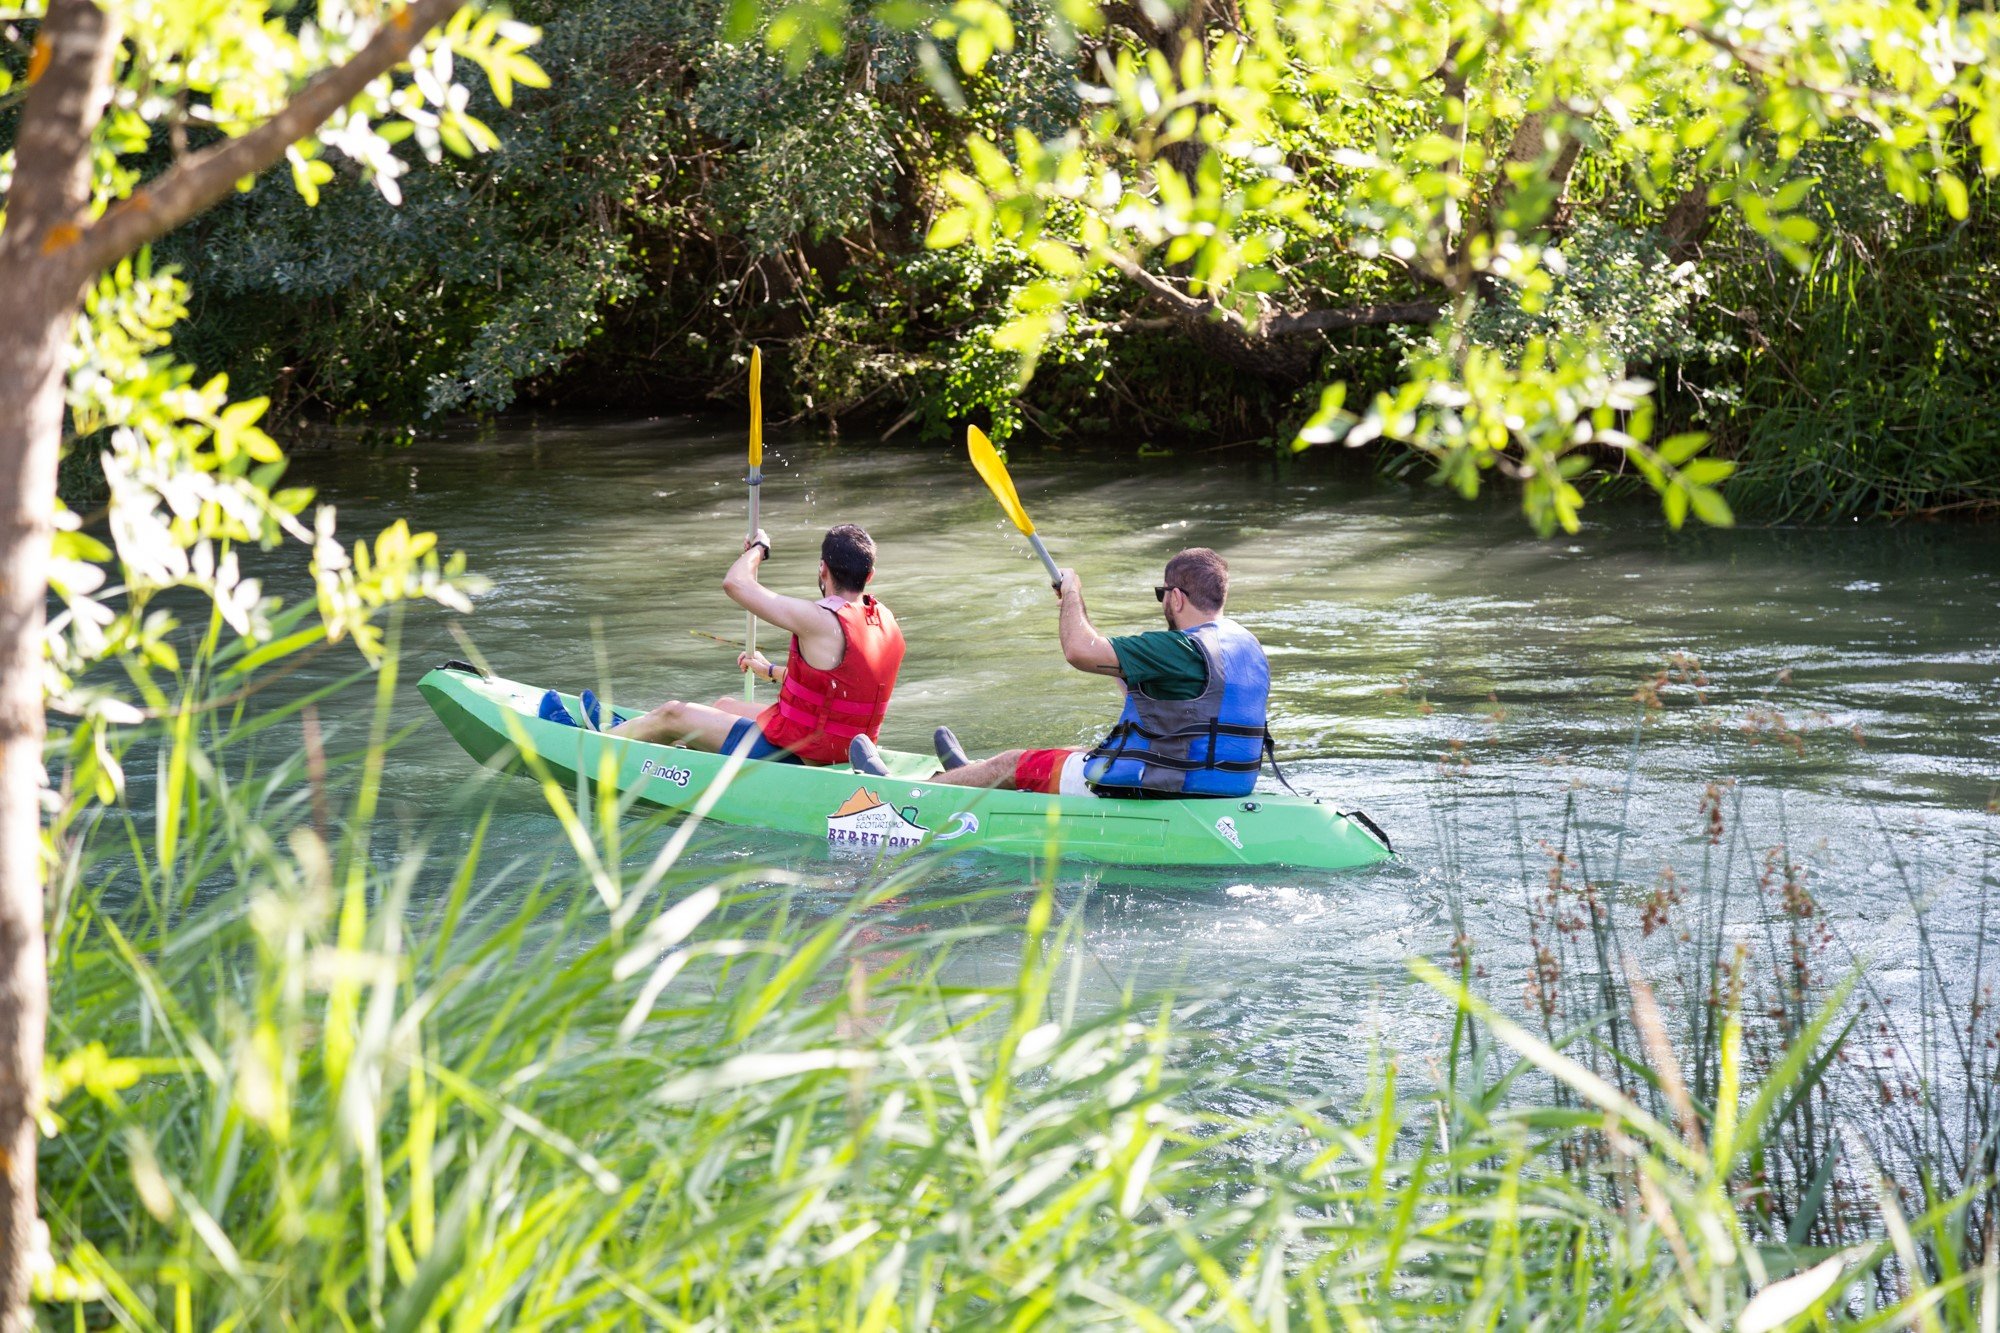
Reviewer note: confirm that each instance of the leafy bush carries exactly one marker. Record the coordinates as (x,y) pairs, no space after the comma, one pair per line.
(687,187)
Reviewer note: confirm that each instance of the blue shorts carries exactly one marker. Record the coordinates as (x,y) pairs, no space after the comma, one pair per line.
(759,747)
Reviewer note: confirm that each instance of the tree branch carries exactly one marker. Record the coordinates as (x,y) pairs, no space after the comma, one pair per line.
(1374,316)
(1272,346)
(201,179)
(1170,296)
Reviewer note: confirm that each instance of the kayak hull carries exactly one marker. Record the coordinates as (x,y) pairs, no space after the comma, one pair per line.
(496,721)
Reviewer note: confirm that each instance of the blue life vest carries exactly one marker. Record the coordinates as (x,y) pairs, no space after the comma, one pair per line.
(1212,745)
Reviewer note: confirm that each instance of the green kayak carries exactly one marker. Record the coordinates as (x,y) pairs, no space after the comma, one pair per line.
(495,719)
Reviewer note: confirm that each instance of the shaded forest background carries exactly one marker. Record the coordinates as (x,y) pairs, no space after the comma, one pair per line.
(674,196)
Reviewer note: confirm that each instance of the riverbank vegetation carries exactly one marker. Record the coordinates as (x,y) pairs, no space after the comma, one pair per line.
(1814,303)
(298,1079)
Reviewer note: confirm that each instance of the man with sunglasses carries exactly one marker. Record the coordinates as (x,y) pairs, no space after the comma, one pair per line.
(1196,698)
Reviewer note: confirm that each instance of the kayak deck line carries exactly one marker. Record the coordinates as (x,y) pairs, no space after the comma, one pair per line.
(494,719)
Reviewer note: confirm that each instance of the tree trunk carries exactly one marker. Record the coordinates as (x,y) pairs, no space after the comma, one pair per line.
(49,248)
(32,345)
(45,210)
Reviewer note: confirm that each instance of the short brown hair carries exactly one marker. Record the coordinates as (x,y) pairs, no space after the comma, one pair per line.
(849,553)
(1202,575)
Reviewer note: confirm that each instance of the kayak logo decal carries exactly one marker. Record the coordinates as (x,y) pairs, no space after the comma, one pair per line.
(867,822)
(678,776)
(1227,828)
(962,823)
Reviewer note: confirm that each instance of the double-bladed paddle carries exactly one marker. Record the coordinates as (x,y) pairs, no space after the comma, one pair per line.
(992,470)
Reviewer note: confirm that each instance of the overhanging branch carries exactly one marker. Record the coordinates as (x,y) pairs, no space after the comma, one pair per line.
(201,179)
(1274,345)
(1383,314)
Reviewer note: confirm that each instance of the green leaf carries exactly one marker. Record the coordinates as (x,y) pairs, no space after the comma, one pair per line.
(1793,193)
(975,48)
(1057,259)
(280,648)
(741,20)
(1677,449)
(79,546)
(991,164)
(1675,501)
(1953,190)
(1041,294)
(950,228)
(1798,230)
(1710,507)
(1026,333)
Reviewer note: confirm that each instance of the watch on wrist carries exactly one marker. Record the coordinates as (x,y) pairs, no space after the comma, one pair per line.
(766,546)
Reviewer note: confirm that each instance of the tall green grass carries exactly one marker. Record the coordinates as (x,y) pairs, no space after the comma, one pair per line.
(307,1081)
(1881,1093)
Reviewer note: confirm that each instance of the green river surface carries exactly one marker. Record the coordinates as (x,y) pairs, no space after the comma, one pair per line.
(1435,663)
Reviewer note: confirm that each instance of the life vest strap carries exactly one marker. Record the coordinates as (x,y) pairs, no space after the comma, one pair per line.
(1113,748)
(1190,733)
(1191,765)
(1271,753)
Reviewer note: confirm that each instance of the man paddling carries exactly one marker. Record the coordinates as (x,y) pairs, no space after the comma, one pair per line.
(845,652)
(1197,696)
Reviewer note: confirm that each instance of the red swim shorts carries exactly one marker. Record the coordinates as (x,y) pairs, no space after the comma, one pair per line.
(1040,770)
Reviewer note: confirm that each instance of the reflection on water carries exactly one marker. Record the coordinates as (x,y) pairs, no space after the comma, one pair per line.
(1435,663)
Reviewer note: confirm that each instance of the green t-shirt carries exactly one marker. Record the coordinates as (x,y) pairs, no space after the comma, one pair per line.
(1162,663)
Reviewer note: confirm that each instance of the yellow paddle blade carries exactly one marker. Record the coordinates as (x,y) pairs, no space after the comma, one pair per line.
(756,408)
(986,460)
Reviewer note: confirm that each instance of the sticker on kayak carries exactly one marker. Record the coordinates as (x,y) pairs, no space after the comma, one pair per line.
(962,823)
(865,821)
(666,773)
(1227,828)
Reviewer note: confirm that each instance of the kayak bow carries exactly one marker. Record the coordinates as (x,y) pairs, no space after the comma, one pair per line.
(494,719)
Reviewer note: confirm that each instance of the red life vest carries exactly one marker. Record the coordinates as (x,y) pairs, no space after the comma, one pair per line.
(819,712)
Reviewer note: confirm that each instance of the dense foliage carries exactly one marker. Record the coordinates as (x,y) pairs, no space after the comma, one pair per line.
(1813,303)
(674,195)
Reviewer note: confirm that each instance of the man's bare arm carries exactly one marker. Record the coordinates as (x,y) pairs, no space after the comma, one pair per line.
(817,628)
(1083,647)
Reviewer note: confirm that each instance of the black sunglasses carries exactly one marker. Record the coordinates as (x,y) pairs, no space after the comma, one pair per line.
(1160,591)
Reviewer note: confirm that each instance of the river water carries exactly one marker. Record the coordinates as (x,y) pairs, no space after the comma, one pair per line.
(1435,663)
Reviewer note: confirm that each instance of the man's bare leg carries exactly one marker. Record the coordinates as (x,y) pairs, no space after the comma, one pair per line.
(697,726)
(995,772)
(739,708)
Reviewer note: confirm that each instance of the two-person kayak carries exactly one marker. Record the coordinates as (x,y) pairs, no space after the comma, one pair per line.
(496,720)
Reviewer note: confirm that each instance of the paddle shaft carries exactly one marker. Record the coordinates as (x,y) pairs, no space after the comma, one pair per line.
(750,617)
(1055,576)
